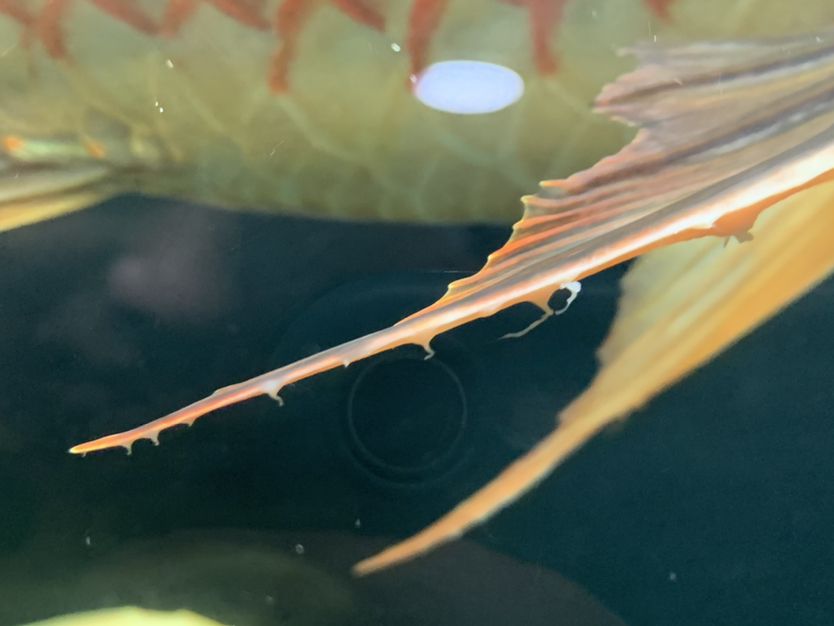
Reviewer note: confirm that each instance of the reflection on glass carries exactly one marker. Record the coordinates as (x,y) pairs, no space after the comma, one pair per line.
(468,87)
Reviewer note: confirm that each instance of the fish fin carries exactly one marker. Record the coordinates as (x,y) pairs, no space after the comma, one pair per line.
(46,173)
(33,192)
(726,130)
(681,306)
(684,304)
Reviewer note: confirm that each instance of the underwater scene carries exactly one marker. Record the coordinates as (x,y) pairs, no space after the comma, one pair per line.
(406,312)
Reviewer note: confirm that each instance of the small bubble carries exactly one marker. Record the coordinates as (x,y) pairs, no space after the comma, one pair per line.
(299,549)
(396,47)
(169,64)
(673,577)
(357,523)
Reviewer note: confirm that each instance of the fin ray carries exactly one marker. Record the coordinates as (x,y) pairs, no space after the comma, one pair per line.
(726,131)
(664,333)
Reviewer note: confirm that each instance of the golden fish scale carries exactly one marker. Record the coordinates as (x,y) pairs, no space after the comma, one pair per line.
(193,116)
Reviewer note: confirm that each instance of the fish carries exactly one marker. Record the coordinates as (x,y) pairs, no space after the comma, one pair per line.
(211,578)
(260,579)
(723,193)
(308,107)
(130,616)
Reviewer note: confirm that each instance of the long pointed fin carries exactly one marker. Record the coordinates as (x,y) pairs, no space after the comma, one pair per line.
(681,306)
(685,303)
(727,130)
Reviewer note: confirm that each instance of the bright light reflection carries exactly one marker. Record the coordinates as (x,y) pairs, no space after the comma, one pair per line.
(468,87)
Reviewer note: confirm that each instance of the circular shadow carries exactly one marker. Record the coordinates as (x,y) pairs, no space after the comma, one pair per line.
(406,418)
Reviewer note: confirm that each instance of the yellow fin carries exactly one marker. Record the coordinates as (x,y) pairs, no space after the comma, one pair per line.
(31,192)
(684,304)
(681,306)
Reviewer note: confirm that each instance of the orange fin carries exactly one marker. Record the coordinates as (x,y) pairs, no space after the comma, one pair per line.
(682,304)
(726,131)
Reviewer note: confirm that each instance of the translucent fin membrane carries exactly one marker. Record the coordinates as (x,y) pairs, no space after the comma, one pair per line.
(726,130)
(681,306)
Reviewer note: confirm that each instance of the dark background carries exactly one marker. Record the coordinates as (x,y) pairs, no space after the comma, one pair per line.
(712,506)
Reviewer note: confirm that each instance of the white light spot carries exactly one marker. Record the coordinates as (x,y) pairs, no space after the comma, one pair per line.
(468,87)
(299,549)
(396,47)
(169,64)
(158,106)
(573,287)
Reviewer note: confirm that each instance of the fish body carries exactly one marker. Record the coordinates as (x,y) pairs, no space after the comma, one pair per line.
(734,139)
(308,106)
